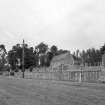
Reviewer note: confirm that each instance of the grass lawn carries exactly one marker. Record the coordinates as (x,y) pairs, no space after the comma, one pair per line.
(46,92)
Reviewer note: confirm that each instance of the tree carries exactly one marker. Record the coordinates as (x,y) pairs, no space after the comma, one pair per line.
(91,57)
(54,50)
(3,59)
(77,53)
(29,57)
(102,49)
(47,59)
(12,59)
(41,48)
(83,57)
(15,55)
(41,51)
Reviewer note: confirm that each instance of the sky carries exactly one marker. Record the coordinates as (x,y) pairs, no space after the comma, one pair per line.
(68,24)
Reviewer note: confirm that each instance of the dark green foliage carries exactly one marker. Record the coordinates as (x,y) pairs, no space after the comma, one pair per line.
(16,53)
(41,48)
(91,57)
(12,59)
(54,50)
(42,55)
(102,49)
(29,57)
(3,54)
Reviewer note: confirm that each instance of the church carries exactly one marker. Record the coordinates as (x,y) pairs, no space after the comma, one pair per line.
(64,61)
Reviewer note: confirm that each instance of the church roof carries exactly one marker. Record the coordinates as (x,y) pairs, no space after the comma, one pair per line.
(61,56)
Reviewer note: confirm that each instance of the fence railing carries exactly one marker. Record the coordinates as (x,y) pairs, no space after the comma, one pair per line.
(86,74)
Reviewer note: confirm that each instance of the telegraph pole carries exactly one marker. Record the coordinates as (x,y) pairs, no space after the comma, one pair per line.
(23,70)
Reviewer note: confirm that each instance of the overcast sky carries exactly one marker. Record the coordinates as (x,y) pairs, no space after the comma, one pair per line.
(69,24)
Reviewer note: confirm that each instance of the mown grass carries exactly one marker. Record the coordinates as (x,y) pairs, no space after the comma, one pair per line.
(46,92)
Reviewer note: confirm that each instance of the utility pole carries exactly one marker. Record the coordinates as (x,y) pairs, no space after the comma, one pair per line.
(23,70)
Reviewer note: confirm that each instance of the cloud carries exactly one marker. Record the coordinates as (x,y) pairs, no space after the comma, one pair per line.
(69,24)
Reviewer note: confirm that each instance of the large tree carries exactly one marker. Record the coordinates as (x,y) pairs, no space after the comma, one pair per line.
(15,55)
(41,50)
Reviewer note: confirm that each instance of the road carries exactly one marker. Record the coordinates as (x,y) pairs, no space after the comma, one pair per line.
(46,92)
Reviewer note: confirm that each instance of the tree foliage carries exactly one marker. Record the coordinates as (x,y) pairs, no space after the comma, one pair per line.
(3,59)
(15,56)
(54,50)
(91,57)
(41,48)
(42,55)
